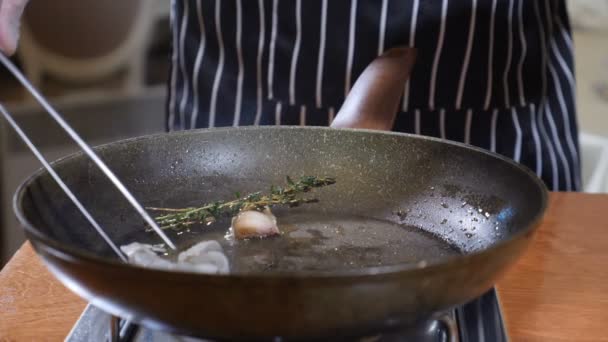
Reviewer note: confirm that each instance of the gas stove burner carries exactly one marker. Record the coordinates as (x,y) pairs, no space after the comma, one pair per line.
(478,321)
(444,328)
(432,331)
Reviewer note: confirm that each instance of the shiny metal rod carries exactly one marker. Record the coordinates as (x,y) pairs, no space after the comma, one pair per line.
(59,181)
(90,153)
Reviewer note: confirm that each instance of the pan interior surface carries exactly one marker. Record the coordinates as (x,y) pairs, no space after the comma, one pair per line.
(398,199)
(324,242)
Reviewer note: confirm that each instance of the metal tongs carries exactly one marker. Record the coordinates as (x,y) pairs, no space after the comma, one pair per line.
(87,150)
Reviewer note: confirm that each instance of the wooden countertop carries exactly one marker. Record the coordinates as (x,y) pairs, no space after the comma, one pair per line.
(558,291)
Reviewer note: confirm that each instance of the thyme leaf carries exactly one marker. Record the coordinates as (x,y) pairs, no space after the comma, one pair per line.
(208,213)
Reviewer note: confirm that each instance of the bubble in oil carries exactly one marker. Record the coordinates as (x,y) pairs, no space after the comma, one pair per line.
(445,205)
(402,214)
(468,235)
(487,214)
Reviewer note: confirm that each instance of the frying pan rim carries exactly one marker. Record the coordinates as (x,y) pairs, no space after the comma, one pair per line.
(62,250)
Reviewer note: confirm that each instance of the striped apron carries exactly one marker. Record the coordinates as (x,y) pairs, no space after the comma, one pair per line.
(497,74)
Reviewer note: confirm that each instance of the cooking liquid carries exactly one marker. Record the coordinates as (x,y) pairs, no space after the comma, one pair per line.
(325,242)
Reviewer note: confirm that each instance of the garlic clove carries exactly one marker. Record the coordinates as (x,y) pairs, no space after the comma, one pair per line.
(253,223)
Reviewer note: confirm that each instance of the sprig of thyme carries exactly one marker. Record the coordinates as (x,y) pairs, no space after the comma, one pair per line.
(210,212)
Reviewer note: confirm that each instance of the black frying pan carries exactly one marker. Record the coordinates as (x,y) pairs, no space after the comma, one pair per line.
(413,226)
(441,186)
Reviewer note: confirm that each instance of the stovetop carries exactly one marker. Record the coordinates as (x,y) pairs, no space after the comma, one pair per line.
(478,321)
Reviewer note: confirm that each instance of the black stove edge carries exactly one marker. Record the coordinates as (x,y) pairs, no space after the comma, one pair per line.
(481,319)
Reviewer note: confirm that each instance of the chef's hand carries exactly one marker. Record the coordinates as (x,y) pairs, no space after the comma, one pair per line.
(373,101)
(10,18)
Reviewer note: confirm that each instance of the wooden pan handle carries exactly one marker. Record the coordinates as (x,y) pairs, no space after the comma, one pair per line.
(373,101)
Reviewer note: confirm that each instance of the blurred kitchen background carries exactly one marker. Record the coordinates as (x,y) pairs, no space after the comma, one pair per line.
(108,79)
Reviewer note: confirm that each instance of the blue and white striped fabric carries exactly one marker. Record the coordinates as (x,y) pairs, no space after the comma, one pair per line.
(492,73)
